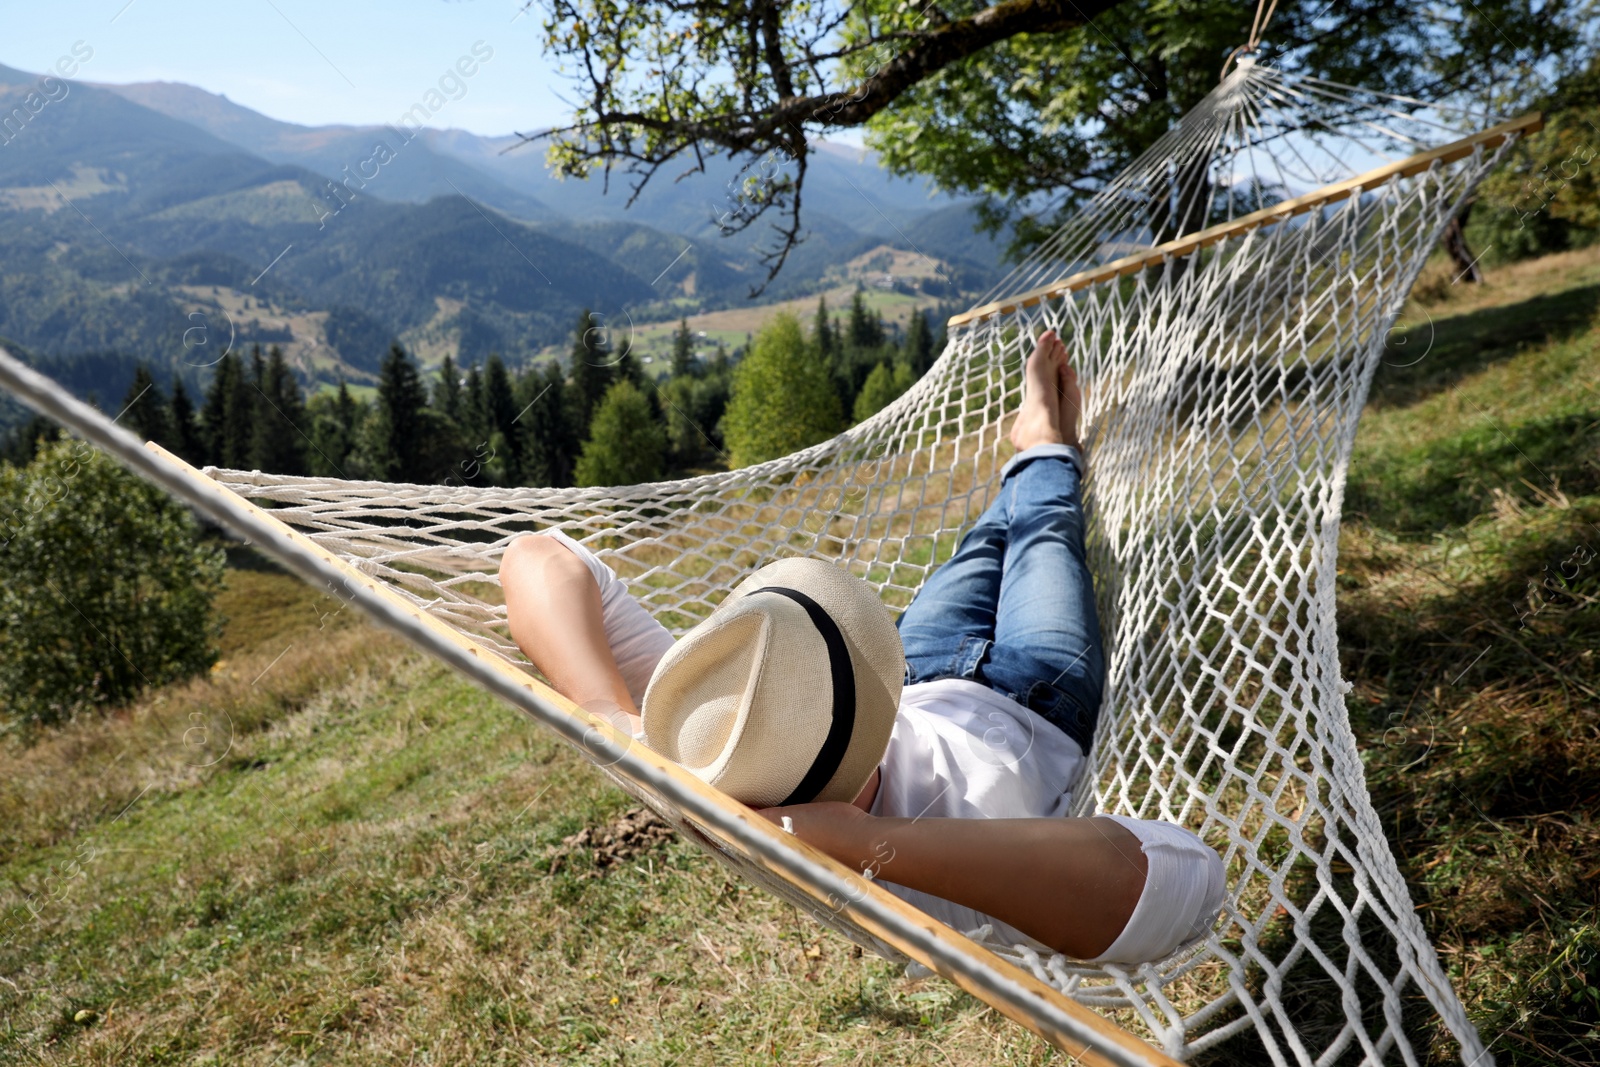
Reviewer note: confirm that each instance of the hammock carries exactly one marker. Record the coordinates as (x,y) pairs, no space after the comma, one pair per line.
(1226,300)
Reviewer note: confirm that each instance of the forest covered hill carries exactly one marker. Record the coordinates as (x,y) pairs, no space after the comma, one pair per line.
(168,233)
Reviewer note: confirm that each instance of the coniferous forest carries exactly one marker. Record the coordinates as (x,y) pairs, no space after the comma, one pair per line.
(593,418)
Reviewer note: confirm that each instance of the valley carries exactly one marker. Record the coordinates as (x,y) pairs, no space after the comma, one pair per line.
(160,224)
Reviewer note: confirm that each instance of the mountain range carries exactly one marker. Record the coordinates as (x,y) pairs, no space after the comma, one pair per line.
(163,223)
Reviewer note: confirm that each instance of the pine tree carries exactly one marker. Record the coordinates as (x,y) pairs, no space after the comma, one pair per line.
(499,411)
(475,460)
(23,442)
(625,366)
(442,456)
(447,398)
(186,440)
(348,409)
(336,420)
(782,398)
(691,408)
(862,347)
(918,345)
(255,376)
(145,411)
(843,373)
(866,329)
(453,458)
(393,445)
(591,372)
(228,417)
(258,367)
(474,413)
(499,399)
(278,440)
(549,445)
(682,351)
(711,400)
(626,445)
(821,333)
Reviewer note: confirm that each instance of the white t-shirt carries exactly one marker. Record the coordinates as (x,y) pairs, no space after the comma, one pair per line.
(961,750)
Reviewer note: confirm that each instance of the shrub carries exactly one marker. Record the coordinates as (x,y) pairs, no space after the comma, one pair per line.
(626,443)
(882,388)
(1546,197)
(107,588)
(783,397)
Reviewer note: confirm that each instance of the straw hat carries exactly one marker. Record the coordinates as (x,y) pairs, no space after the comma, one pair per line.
(787,693)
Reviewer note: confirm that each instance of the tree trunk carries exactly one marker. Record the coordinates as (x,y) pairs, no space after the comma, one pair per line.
(1183,208)
(1455,243)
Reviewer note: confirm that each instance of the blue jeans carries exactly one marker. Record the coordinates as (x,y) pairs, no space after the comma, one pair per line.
(1013,609)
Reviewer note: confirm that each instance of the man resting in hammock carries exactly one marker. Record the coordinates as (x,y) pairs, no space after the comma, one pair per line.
(965,816)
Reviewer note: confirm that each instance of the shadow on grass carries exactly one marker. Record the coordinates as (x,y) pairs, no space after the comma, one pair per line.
(1464,344)
(1448,482)
(1476,707)
(1476,715)
(1310,1007)
(244,558)
(884,999)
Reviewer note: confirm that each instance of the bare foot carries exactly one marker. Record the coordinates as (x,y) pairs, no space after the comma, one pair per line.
(1039,418)
(1071,405)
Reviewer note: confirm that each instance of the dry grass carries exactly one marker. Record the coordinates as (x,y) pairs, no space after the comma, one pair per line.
(1438,288)
(363,877)
(1479,712)
(284,650)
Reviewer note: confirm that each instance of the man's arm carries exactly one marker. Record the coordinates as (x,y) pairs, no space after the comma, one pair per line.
(1070,883)
(553,606)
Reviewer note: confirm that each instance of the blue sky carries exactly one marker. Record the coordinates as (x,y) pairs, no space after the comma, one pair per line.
(307,61)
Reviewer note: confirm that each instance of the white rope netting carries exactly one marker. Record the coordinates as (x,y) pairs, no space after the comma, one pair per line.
(1223,390)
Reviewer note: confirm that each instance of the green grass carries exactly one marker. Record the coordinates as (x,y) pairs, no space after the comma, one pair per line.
(332,851)
(1469,582)
(1501,399)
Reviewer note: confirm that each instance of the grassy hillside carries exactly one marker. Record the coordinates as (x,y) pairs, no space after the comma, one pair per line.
(332,851)
(1470,582)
